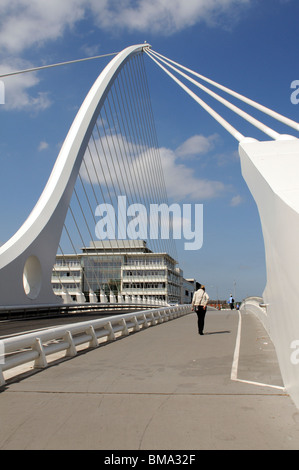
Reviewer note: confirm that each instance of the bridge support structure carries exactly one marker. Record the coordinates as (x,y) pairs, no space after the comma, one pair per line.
(271,170)
(27,259)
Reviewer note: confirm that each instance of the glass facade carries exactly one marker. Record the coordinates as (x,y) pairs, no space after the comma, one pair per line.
(121,271)
(102,272)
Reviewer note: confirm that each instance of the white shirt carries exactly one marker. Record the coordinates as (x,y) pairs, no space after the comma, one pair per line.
(200,297)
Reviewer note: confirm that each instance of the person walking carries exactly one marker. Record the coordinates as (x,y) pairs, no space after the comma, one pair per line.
(231,302)
(199,304)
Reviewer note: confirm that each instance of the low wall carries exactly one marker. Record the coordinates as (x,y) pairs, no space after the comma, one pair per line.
(256,306)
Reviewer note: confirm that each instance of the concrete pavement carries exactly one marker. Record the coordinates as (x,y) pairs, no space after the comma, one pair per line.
(165,387)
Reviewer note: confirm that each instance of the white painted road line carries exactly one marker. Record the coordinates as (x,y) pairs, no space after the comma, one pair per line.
(235,364)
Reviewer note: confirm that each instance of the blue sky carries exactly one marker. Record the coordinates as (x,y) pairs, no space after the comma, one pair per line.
(250,46)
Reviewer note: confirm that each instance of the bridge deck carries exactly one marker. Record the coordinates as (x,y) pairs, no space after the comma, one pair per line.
(163,388)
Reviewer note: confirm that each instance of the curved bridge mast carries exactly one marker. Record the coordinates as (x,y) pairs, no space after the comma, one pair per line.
(27,259)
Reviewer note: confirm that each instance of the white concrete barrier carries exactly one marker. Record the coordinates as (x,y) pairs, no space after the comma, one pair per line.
(36,347)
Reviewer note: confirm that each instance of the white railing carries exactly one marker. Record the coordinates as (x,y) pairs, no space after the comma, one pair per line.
(35,348)
(257,306)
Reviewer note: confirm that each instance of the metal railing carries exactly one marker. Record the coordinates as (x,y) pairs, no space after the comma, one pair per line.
(36,347)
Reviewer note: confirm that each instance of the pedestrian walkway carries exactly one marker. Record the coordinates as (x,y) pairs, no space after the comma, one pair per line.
(165,387)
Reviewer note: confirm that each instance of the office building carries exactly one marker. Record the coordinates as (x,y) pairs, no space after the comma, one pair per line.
(119,268)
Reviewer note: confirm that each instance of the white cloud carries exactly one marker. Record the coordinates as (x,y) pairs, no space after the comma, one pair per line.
(26,23)
(236,201)
(163,16)
(181,182)
(43,146)
(17,88)
(196,145)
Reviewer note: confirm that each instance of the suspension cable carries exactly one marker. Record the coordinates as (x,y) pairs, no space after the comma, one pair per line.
(267,130)
(34,69)
(254,104)
(234,132)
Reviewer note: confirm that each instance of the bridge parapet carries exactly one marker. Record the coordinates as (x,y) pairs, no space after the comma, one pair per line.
(256,306)
(33,349)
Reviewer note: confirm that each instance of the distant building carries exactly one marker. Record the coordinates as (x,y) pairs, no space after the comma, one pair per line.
(118,268)
(188,289)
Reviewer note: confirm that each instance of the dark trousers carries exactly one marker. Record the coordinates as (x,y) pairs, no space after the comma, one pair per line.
(201,313)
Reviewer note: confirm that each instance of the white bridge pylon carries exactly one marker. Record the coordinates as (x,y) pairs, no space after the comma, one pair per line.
(27,258)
